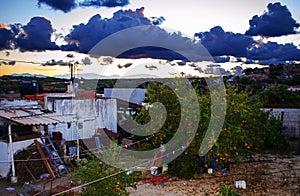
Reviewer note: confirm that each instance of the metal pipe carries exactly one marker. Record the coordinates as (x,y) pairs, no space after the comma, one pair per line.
(13,178)
(77,141)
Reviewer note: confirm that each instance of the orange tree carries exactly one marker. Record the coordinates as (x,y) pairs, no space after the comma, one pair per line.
(246,130)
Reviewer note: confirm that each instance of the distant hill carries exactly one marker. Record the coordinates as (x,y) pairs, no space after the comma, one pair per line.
(29,75)
(87,76)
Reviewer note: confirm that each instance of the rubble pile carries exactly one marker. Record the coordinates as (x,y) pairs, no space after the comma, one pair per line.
(29,165)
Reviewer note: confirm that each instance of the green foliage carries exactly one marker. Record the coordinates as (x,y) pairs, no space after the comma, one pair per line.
(93,170)
(274,139)
(226,190)
(279,95)
(164,95)
(275,71)
(114,181)
(247,129)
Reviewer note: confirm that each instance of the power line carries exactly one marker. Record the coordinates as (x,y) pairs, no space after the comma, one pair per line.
(114,174)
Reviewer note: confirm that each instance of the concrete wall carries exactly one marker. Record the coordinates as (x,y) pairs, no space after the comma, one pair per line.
(5,156)
(4,159)
(90,115)
(290,118)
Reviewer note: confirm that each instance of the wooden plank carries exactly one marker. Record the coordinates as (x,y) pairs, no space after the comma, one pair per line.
(38,146)
(28,170)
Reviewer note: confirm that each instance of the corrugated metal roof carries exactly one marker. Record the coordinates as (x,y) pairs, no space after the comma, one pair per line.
(34,117)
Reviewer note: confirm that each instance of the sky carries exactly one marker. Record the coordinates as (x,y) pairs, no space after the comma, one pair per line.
(234,32)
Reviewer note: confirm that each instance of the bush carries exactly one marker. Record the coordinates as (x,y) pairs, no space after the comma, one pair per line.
(113,180)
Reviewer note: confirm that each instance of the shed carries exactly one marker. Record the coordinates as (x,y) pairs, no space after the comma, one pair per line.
(20,138)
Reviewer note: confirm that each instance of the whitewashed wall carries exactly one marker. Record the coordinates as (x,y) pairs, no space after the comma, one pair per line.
(5,156)
(90,115)
(106,114)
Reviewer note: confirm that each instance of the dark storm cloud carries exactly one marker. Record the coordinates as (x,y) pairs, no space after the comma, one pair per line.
(63,5)
(37,35)
(222,44)
(276,21)
(104,3)
(87,35)
(68,5)
(150,41)
(5,37)
(54,62)
(219,43)
(274,52)
(152,52)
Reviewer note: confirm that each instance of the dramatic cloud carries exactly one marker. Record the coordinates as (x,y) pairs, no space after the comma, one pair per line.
(150,41)
(54,62)
(219,43)
(132,35)
(68,5)
(274,53)
(222,44)
(276,21)
(153,52)
(63,5)
(5,37)
(85,36)
(158,20)
(104,3)
(37,35)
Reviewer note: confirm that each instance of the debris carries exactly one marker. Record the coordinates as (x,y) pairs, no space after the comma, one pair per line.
(10,189)
(240,184)
(30,169)
(44,176)
(217,174)
(153,171)
(30,189)
(162,185)
(160,179)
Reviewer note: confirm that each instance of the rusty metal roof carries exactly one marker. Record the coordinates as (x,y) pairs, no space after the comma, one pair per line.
(34,117)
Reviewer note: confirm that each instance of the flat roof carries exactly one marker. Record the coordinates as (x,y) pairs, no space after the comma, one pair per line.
(34,117)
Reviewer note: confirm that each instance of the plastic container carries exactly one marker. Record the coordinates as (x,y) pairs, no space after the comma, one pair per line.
(240,184)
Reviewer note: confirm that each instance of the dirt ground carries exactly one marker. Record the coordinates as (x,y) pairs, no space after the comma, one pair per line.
(266,175)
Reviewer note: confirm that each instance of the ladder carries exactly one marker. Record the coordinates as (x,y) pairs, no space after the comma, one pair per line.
(56,154)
